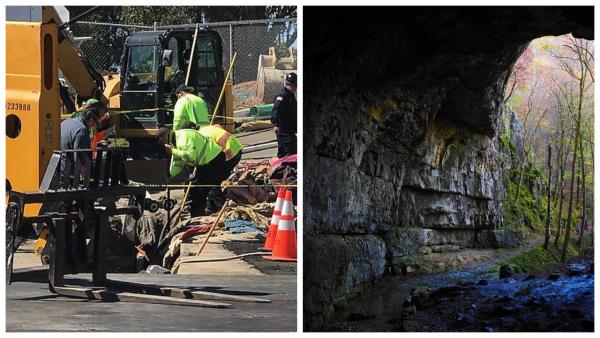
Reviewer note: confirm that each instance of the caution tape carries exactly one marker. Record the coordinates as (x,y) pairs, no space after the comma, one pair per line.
(118,112)
(164,186)
(150,110)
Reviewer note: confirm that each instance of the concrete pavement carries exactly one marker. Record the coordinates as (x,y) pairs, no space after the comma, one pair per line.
(31,307)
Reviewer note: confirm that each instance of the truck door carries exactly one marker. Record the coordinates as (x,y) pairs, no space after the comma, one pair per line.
(141,87)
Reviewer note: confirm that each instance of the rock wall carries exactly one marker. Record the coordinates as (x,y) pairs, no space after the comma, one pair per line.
(401,152)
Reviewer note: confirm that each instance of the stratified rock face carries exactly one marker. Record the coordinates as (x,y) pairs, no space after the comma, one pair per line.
(401,153)
(453,182)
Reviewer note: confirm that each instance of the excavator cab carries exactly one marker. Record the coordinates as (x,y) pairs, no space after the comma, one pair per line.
(154,64)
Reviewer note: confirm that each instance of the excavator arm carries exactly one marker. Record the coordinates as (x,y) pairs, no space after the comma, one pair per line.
(86,81)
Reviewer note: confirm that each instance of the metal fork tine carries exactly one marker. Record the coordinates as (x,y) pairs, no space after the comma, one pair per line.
(107,168)
(66,173)
(77,169)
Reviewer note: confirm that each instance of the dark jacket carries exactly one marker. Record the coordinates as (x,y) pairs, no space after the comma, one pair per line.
(283,114)
(74,134)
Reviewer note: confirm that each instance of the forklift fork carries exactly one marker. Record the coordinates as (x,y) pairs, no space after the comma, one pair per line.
(105,179)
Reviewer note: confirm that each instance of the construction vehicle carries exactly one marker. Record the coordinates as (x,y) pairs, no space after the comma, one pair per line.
(153,64)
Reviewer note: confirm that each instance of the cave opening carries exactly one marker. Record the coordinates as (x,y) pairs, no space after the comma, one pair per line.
(417,158)
(549,96)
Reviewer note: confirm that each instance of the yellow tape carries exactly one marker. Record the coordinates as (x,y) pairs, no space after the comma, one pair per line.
(119,112)
(155,186)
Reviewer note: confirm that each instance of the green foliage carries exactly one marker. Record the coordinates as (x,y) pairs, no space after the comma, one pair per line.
(534,260)
(174,15)
(527,212)
(506,143)
(538,259)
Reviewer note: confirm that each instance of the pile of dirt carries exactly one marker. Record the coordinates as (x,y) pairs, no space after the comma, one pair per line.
(244,95)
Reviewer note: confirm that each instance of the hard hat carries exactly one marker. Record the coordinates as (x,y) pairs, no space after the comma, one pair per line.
(291,79)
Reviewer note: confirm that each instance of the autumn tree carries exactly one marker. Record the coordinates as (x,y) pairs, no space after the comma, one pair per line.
(575,60)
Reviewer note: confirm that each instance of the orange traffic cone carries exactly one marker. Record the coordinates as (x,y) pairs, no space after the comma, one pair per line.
(270,241)
(285,241)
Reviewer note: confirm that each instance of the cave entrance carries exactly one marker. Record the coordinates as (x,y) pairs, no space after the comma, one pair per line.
(549,95)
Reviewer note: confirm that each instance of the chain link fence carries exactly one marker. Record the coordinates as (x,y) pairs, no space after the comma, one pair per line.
(250,39)
(102,43)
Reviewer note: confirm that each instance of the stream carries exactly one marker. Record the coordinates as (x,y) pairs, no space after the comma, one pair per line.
(560,298)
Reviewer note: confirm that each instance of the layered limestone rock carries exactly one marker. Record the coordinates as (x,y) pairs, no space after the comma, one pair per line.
(401,147)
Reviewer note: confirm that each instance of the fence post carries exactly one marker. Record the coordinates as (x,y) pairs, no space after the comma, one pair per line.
(231,48)
(155,25)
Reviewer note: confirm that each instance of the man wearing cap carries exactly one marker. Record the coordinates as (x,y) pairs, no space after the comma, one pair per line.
(102,128)
(191,111)
(283,117)
(75,134)
(92,103)
(191,149)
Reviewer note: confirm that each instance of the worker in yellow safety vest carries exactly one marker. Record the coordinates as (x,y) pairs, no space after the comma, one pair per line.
(190,149)
(191,111)
(232,148)
(230,145)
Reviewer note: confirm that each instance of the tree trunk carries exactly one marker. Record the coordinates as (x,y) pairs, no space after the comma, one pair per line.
(547,237)
(583,215)
(559,160)
(562,197)
(563,256)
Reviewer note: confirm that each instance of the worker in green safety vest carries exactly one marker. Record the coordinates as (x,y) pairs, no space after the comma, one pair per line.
(191,111)
(232,148)
(190,149)
(228,143)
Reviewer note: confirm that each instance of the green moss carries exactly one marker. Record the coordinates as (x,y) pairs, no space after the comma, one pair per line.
(534,260)
(340,303)
(526,207)
(327,313)
(538,259)
(506,143)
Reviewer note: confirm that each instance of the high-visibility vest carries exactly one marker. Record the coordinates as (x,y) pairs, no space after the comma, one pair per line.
(192,148)
(230,145)
(190,109)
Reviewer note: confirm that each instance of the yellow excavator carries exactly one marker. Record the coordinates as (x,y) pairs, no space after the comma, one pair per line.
(38,45)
